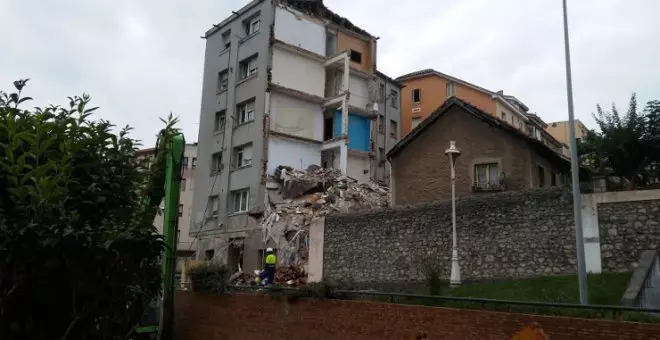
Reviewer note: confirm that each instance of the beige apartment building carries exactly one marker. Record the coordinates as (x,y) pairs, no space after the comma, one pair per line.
(186,246)
(559,130)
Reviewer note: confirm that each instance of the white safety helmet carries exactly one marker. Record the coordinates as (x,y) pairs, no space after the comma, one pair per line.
(269,250)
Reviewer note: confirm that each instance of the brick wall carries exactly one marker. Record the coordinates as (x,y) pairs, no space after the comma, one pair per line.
(249,317)
(421,171)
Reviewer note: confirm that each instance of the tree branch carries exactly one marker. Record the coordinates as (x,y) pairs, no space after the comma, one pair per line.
(70,328)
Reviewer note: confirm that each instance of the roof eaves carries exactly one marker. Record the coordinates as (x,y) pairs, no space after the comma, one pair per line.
(318,9)
(517,101)
(478,113)
(422,126)
(232,17)
(415,74)
(509,106)
(391,80)
(427,72)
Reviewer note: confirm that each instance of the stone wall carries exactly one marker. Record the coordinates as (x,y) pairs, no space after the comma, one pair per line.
(627,229)
(505,235)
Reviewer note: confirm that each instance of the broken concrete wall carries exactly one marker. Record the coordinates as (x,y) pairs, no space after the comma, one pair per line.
(220,243)
(294,199)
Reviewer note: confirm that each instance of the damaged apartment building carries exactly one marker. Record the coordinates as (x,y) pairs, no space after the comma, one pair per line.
(286,83)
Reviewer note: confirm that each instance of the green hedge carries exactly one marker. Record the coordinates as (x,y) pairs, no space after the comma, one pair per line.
(209,278)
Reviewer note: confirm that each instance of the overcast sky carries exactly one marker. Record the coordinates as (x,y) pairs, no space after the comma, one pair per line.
(142,59)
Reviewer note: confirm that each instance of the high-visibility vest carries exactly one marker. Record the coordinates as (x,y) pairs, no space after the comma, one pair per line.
(271,259)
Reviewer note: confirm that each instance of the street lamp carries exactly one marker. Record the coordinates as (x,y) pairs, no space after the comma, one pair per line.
(453,153)
(575,171)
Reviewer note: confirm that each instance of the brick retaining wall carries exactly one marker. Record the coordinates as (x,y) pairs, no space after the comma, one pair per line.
(250,317)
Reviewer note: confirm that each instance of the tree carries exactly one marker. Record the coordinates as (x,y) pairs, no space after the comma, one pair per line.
(618,148)
(79,256)
(652,137)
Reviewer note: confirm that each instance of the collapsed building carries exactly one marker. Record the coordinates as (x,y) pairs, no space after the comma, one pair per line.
(286,82)
(294,198)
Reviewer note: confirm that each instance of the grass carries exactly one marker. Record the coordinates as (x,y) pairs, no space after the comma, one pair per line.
(604,289)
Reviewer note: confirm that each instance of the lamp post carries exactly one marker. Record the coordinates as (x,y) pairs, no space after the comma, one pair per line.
(575,171)
(455,277)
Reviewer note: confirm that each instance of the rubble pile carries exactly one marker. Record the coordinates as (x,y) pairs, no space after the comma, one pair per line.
(284,275)
(242,279)
(294,198)
(290,275)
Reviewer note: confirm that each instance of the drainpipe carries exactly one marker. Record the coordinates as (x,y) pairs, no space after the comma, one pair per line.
(385,121)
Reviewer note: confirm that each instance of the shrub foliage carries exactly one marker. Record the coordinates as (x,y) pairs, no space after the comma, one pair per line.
(79,256)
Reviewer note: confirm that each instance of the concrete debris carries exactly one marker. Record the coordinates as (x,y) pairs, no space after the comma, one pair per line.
(284,275)
(291,276)
(294,198)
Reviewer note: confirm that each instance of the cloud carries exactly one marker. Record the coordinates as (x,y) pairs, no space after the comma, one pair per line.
(142,59)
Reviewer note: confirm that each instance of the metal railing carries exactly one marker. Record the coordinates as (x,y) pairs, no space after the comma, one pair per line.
(514,306)
(649,293)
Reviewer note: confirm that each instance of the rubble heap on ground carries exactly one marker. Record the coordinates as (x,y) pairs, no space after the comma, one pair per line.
(284,275)
(294,198)
(290,275)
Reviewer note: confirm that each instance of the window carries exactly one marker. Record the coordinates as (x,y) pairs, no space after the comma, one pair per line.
(194,162)
(182,184)
(239,199)
(553,179)
(381,155)
(223,80)
(245,112)
(504,116)
(216,163)
(184,164)
(394,98)
(416,95)
(180,210)
(512,122)
(451,91)
(213,205)
(486,174)
(247,67)
(416,121)
(252,26)
(381,124)
(381,91)
(226,39)
(243,155)
(394,129)
(220,119)
(541,176)
(356,57)
(209,254)
(328,128)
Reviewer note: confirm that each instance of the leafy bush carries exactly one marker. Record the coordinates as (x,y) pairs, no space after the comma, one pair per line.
(431,275)
(209,277)
(79,256)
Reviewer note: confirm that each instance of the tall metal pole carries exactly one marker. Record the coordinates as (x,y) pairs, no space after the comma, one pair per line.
(575,172)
